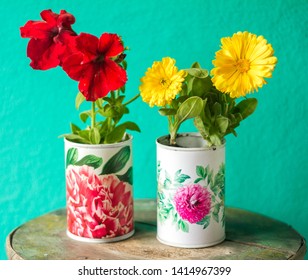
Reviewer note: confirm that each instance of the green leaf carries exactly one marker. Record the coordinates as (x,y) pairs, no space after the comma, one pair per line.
(79,99)
(184,90)
(183,226)
(108,111)
(190,108)
(204,131)
(99,103)
(90,160)
(200,171)
(197,72)
(209,175)
(122,89)
(196,64)
(119,100)
(131,126)
(116,135)
(124,64)
(205,221)
(85,134)
(216,212)
(181,178)
(217,109)
(200,86)
(222,124)
(117,162)
(74,128)
(94,136)
(166,111)
(167,182)
(198,180)
(215,140)
(71,156)
(75,138)
(247,106)
(85,115)
(127,177)
(108,99)
(215,189)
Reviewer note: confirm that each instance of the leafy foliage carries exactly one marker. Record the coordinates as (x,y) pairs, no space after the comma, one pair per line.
(96,58)
(220,113)
(109,129)
(179,111)
(215,113)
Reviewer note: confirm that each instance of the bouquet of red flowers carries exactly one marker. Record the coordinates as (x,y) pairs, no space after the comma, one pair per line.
(98,64)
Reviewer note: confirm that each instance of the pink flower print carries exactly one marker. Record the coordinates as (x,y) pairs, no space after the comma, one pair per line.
(97,206)
(192,202)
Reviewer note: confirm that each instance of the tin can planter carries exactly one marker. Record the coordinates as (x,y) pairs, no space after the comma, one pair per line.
(99,192)
(190,197)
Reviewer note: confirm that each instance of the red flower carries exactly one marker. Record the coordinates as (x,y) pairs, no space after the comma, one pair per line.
(94,65)
(50,39)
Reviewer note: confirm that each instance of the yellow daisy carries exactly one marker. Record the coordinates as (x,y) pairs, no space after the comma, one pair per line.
(242,63)
(161,83)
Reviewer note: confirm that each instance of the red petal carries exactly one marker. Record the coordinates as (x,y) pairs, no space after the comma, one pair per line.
(87,44)
(36,29)
(91,83)
(114,75)
(65,19)
(73,66)
(110,45)
(98,82)
(69,42)
(50,17)
(43,53)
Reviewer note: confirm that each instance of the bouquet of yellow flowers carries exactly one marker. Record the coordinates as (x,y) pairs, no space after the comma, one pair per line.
(211,99)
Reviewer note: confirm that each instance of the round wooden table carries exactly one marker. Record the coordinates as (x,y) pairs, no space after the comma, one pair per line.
(250,236)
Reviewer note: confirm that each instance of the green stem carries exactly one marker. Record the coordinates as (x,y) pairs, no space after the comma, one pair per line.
(131,100)
(173,129)
(116,94)
(93,121)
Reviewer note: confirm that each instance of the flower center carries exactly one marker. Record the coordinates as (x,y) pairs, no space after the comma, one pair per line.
(100,58)
(194,201)
(164,83)
(242,65)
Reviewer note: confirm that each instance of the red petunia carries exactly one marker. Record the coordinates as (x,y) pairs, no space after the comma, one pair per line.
(50,39)
(94,65)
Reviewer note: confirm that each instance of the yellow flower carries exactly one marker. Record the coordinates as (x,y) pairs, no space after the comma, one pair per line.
(161,83)
(242,63)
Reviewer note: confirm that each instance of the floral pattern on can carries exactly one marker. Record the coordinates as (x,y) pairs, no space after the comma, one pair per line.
(191,199)
(192,202)
(97,206)
(99,193)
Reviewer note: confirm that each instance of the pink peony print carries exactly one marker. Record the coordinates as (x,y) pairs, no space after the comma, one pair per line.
(97,206)
(192,202)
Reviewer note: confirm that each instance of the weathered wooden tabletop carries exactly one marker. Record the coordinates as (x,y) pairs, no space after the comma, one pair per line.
(249,237)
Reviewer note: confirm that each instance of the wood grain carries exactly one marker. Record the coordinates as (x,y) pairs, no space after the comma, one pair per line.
(250,236)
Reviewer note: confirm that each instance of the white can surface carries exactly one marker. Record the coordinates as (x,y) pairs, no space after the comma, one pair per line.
(191,190)
(99,192)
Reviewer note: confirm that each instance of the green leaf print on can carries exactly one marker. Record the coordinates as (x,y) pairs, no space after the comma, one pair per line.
(117,162)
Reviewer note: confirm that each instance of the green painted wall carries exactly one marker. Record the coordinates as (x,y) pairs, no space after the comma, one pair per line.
(266,163)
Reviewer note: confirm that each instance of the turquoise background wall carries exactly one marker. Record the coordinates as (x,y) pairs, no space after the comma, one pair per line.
(267,162)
